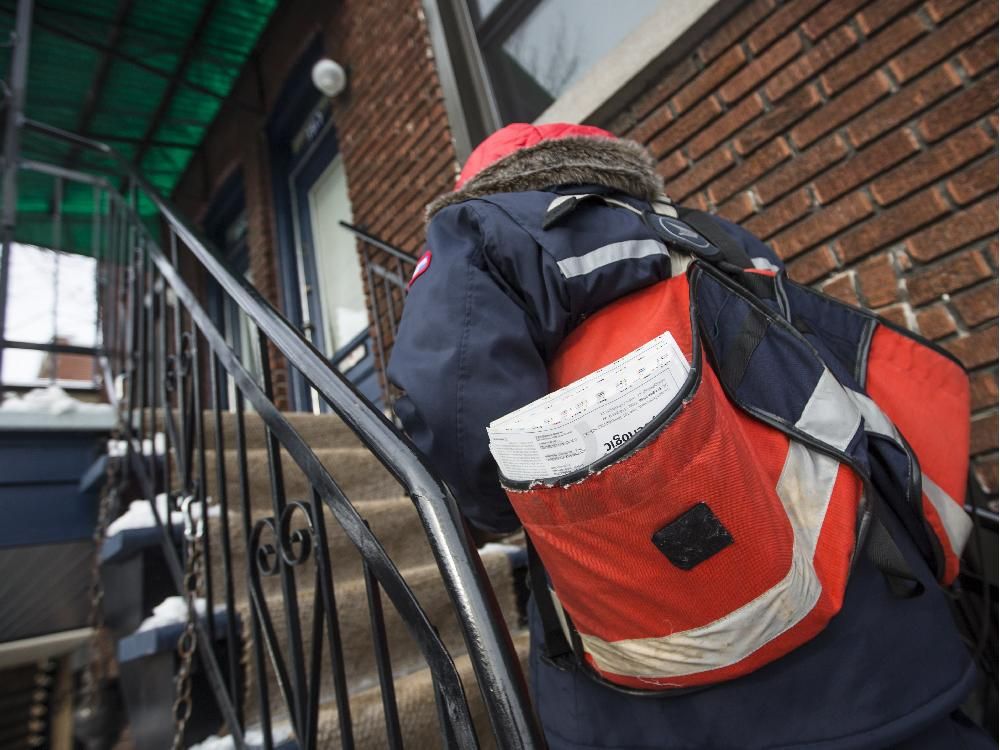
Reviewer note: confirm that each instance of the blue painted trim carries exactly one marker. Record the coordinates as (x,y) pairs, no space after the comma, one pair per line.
(292,105)
(126,544)
(142,644)
(93,479)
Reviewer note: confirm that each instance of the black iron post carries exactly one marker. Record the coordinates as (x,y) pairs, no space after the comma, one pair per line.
(12,152)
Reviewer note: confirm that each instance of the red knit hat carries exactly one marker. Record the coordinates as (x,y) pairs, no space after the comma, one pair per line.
(520,135)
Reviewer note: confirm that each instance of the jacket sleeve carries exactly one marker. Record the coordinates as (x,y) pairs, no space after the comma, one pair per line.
(464,355)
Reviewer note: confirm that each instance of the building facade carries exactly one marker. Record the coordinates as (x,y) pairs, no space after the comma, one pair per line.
(858,138)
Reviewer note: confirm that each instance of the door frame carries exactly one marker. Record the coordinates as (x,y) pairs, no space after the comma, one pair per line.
(297,98)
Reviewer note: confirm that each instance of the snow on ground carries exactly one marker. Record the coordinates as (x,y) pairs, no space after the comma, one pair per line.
(53,407)
(170,611)
(140,515)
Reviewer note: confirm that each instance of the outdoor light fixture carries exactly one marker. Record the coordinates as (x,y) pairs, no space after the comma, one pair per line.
(329,77)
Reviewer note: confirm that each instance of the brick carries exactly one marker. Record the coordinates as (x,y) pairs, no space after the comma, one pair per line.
(939,10)
(735,28)
(779,215)
(874,160)
(980,56)
(851,102)
(697,201)
(781,21)
(877,15)
(976,349)
(979,220)
(685,127)
(983,387)
(680,73)
(822,224)
(737,208)
(842,287)
(891,225)
(977,180)
(935,322)
(778,120)
(900,314)
(877,277)
(901,106)
(739,177)
(622,124)
(709,80)
(871,54)
(811,63)
(829,16)
(986,474)
(942,42)
(814,265)
(672,165)
(948,276)
(760,69)
(651,125)
(700,173)
(725,126)
(929,165)
(977,305)
(983,436)
(803,167)
(975,101)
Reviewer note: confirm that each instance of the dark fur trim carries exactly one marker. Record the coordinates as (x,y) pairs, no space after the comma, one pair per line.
(622,165)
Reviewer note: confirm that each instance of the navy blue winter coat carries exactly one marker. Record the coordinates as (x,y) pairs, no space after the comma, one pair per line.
(500,294)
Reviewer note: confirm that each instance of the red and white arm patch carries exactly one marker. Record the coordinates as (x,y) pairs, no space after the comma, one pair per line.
(422,265)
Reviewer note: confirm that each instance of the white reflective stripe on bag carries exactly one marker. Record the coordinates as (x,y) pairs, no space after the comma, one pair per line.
(805,488)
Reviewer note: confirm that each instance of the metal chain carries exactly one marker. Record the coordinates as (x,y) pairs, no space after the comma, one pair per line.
(187,644)
(95,671)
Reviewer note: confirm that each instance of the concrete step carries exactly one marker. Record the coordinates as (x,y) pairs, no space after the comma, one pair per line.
(357,472)
(326,430)
(355,630)
(394,522)
(417,712)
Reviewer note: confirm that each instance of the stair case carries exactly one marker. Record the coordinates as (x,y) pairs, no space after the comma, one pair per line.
(345,604)
(394,520)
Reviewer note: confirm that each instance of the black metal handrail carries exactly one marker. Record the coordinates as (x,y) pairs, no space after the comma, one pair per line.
(161,369)
(392,280)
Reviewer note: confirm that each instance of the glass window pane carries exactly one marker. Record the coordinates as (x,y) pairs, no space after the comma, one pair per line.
(338,269)
(554,46)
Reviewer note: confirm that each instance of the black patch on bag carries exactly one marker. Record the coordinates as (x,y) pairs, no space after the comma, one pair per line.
(692,537)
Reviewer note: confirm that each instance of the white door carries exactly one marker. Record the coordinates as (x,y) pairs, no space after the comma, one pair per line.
(338,271)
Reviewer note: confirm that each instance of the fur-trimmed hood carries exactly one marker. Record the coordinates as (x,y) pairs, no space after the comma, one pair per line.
(621,165)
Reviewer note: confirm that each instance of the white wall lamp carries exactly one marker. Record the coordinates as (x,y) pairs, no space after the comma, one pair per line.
(329,77)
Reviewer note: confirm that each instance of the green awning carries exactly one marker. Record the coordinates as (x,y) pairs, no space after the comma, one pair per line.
(145,76)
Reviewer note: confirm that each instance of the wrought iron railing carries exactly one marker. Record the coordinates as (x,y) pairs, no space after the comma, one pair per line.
(168,368)
(387,269)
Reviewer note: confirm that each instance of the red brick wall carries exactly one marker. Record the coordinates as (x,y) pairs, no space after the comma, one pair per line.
(391,126)
(859,138)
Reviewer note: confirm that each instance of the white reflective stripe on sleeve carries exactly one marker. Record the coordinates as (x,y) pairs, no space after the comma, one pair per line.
(664,207)
(602,256)
(556,202)
(956,522)
(804,488)
(764,264)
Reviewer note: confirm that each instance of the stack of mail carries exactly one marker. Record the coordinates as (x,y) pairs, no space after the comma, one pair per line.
(574,427)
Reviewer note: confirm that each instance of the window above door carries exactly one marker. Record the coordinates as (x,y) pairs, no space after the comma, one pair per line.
(534,50)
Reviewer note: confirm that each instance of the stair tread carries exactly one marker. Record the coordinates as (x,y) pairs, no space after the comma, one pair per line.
(355,628)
